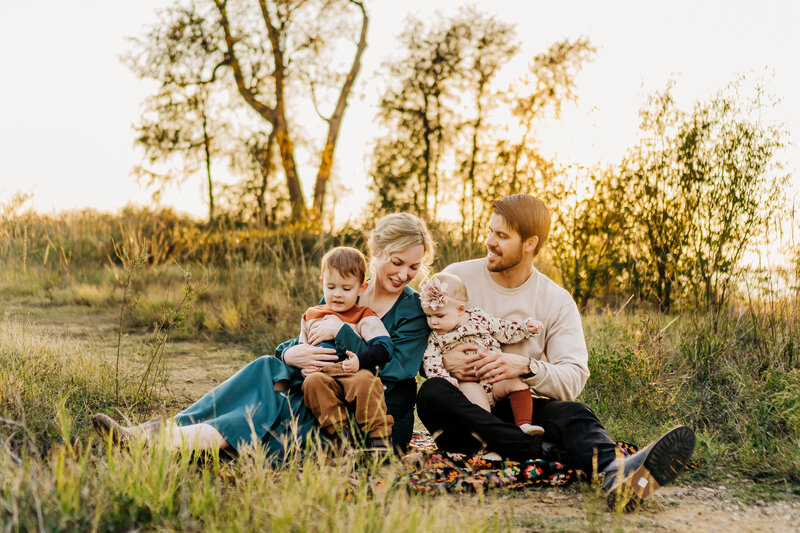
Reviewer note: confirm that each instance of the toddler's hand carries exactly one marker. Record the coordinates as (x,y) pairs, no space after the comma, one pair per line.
(534,326)
(351,364)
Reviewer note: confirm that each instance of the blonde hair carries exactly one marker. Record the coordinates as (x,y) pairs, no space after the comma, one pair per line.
(346,261)
(397,232)
(527,215)
(455,287)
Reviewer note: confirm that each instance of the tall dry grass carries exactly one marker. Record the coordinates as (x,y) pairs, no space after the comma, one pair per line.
(733,375)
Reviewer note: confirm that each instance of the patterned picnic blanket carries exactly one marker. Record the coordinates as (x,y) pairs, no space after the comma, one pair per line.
(434,470)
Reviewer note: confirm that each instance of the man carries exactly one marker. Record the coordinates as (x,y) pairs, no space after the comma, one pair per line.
(554,365)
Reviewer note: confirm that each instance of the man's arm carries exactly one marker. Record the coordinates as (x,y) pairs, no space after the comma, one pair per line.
(563,375)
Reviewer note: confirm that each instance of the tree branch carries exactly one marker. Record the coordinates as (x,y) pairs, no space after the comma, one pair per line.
(262,109)
(335,121)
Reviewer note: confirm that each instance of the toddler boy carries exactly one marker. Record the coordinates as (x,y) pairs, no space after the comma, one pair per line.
(352,380)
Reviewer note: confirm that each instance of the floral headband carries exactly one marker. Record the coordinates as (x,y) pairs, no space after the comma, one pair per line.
(433,294)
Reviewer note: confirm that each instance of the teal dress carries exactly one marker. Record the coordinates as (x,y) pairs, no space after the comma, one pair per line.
(246,408)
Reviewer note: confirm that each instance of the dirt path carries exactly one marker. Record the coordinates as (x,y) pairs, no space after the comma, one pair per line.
(693,508)
(195,367)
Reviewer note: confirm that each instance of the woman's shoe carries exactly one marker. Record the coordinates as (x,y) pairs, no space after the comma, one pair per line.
(107,427)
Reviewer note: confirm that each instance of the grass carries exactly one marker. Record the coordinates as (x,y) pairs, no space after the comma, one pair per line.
(149,487)
(733,375)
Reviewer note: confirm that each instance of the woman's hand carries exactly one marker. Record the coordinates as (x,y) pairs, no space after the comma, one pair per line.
(309,358)
(460,362)
(324,329)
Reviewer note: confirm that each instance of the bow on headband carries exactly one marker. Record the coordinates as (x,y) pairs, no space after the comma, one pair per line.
(434,294)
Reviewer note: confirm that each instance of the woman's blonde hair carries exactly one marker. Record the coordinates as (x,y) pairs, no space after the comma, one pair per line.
(400,231)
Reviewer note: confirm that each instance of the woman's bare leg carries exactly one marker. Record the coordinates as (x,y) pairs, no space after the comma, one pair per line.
(195,437)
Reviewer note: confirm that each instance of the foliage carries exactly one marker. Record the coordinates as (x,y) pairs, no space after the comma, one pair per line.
(183,122)
(442,145)
(261,59)
(697,188)
(587,233)
(41,377)
(733,375)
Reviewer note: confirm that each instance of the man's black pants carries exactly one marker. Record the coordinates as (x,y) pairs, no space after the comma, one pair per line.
(572,428)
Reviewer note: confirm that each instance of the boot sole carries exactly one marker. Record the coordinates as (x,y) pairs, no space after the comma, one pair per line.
(664,462)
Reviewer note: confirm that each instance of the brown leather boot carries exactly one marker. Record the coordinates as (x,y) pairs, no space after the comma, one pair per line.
(629,480)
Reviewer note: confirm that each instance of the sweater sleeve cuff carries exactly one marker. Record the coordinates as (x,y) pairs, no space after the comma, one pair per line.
(348,339)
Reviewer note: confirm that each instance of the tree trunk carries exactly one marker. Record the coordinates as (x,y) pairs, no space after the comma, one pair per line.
(469,181)
(285,144)
(275,116)
(266,170)
(426,134)
(207,148)
(335,121)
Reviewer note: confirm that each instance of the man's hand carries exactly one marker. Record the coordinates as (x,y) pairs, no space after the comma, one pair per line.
(351,364)
(460,362)
(494,366)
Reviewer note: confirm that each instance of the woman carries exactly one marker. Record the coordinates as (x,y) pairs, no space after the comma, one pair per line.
(263,401)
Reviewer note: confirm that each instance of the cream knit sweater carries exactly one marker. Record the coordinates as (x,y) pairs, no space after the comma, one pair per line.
(560,349)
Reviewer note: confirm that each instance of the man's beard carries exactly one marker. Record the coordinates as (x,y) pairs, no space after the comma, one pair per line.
(505,261)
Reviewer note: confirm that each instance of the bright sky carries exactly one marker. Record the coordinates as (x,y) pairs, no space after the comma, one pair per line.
(67,103)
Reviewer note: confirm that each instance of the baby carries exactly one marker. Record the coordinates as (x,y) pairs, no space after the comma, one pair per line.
(443,299)
(351,381)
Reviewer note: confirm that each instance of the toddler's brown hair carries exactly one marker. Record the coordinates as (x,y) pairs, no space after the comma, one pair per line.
(346,261)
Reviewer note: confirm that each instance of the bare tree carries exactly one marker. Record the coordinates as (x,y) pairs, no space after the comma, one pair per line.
(276,51)
(180,121)
(283,21)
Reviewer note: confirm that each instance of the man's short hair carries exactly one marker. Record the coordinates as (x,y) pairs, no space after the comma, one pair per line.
(348,262)
(527,215)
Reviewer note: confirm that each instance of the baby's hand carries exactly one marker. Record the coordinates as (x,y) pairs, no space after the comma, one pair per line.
(452,380)
(351,364)
(534,326)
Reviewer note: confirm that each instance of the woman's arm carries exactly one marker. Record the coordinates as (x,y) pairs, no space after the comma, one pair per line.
(305,356)
(408,330)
